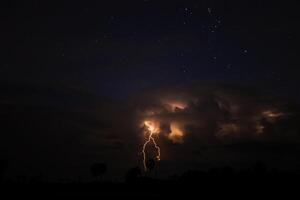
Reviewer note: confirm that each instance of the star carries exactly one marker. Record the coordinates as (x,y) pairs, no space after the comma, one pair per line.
(229,66)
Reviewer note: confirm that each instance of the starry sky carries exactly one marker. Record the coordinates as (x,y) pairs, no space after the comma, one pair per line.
(115,48)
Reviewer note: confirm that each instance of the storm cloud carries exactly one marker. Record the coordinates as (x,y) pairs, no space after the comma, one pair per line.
(62,132)
(220,113)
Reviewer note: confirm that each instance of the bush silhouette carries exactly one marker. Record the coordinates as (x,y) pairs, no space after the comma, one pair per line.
(150,164)
(3,167)
(98,169)
(133,174)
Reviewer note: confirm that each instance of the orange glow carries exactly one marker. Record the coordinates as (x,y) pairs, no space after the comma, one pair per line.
(177,105)
(259,129)
(173,105)
(272,114)
(151,129)
(228,129)
(176,135)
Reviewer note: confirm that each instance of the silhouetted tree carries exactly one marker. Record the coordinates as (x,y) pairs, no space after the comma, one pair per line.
(133,174)
(259,168)
(150,164)
(37,178)
(227,171)
(98,169)
(3,166)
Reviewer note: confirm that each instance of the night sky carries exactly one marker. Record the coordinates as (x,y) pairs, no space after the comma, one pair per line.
(114,48)
(70,71)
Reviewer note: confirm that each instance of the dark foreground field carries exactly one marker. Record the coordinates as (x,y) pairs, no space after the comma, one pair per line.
(194,184)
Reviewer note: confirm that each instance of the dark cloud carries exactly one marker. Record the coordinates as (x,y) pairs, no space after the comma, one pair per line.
(62,131)
(231,111)
(213,117)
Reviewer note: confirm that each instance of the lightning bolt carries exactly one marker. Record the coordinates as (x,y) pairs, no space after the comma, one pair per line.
(150,131)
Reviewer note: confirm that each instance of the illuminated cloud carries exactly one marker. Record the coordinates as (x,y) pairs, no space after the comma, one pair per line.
(228,130)
(176,134)
(188,123)
(214,113)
